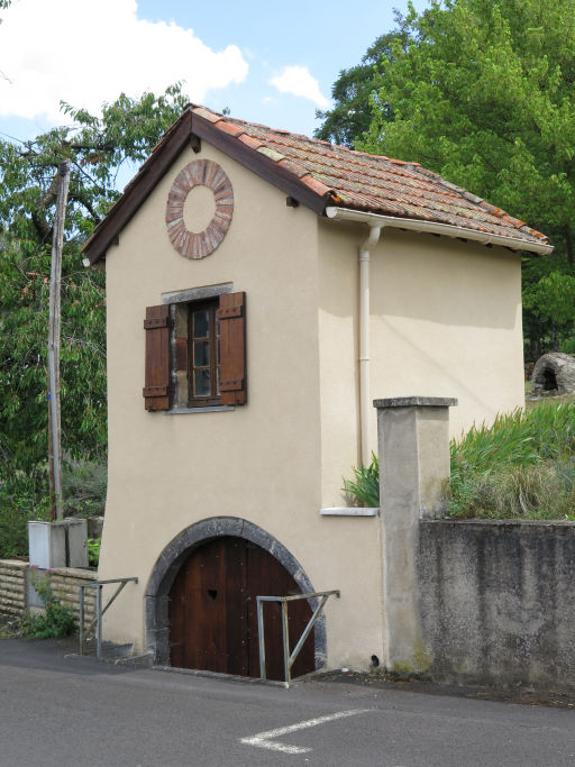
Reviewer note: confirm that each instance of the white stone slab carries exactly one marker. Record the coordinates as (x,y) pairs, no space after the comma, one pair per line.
(349,511)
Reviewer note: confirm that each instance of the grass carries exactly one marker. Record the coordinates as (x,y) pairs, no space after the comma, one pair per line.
(55,622)
(521,467)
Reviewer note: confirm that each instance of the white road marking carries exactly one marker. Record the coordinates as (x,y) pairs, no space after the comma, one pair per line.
(265,739)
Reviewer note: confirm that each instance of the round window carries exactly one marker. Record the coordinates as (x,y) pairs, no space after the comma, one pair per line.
(185,212)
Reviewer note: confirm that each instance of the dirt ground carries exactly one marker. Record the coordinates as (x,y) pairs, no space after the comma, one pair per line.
(523,695)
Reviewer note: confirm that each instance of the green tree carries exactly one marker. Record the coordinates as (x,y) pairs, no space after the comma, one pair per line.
(97,147)
(355,88)
(551,300)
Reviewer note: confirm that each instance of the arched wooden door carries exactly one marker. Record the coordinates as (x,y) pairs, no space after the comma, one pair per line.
(213,619)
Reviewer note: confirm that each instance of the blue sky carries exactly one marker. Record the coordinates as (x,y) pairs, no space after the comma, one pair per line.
(269,62)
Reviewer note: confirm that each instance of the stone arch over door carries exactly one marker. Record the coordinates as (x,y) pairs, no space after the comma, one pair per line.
(179,548)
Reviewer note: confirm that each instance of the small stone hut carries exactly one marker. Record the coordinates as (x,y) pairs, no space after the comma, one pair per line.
(554,373)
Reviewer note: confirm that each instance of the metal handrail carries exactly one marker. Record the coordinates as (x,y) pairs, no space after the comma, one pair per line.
(289,659)
(99,610)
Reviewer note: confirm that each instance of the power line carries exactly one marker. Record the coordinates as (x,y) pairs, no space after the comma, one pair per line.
(13,138)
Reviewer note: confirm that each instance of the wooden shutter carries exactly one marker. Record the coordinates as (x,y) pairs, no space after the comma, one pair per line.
(157,383)
(232,316)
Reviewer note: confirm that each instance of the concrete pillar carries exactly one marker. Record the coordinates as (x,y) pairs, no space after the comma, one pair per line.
(413,447)
(46,545)
(58,544)
(76,541)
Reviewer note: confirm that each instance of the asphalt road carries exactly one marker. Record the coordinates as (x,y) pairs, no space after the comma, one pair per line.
(72,712)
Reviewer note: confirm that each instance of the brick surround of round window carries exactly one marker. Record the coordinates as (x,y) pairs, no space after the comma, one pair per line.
(199,173)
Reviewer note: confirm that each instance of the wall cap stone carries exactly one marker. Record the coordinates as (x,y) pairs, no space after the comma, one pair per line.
(393,402)
(14,563)
(71,573)
(501,522)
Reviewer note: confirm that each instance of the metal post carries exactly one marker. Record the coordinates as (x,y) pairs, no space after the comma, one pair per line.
(308,629)
(99,621)
(81,627)
(261,639)
(285,637)
(289,660)
(100,610)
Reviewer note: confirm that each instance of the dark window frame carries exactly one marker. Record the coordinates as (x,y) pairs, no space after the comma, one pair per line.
(211,306)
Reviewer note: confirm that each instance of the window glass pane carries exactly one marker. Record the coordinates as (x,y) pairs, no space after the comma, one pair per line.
(201,353)
(202,383)
(201,323)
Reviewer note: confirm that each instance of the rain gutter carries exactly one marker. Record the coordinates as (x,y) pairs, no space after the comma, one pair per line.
(433,227)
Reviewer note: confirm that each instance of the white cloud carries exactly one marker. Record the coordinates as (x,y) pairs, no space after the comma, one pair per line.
(299,81)
(86,53)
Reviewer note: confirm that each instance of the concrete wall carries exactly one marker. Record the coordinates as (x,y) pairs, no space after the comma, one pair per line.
(445,321)
(261,462)
(498,601)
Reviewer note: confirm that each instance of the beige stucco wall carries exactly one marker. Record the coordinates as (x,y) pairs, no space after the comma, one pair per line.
(445,321)
(261,462)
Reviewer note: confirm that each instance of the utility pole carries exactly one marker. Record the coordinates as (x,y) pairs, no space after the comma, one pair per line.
(54,322)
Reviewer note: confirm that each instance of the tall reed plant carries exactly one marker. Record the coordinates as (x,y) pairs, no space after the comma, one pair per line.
(523,466)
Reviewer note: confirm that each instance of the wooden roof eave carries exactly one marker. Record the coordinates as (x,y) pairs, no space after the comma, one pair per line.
(188,127)
(138,190)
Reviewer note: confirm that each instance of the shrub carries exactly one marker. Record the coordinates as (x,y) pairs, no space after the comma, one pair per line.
(84,487)
(23,496)
(363,489)
(94,551)
(57,621)
(568,346)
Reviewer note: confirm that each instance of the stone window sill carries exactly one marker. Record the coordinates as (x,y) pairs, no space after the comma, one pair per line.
(349,511)
(195,410)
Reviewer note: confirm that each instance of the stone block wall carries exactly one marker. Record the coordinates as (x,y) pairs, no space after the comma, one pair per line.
(17,577)
(497,602)
(66,582)
(13,587)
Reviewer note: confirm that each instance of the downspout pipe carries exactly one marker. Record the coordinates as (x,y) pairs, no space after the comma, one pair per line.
(364,352)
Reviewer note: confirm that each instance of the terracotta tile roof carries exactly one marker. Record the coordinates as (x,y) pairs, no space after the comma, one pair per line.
(373,183)
(319,175)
